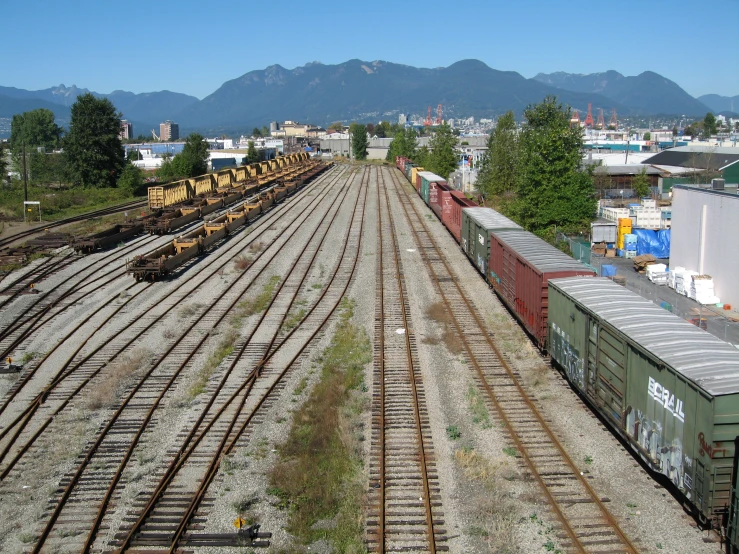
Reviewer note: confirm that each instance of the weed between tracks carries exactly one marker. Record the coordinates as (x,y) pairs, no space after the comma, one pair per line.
(318,475)
(496,509)
(111,386)
(255,305)
(224,348)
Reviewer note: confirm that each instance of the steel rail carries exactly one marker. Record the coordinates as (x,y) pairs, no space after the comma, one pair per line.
(45,393)
(82,217)
(182,456)
(227,450)
(571,533)
(411,376)
(103,433)
(260,223)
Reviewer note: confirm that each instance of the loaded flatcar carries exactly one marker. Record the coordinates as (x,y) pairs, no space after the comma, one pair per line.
(670,389)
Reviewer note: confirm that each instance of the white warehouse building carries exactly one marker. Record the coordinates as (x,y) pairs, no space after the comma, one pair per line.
(705,224)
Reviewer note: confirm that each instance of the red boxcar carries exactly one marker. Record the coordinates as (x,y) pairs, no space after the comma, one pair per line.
(436,194)
(451,212)
(520,266)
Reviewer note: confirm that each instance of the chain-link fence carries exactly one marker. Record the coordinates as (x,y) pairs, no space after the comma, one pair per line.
(579,250)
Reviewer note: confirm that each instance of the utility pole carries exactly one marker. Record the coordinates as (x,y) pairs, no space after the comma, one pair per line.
(25,175)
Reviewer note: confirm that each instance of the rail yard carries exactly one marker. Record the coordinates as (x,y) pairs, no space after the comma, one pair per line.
(156,382)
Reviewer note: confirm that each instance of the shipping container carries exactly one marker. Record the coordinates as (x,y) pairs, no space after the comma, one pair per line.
(603,230)
(415,181)
(451,213)
(477,223)
(520,266)
(666,386)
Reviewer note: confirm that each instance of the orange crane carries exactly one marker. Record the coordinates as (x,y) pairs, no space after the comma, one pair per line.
(438,114)
(427,121)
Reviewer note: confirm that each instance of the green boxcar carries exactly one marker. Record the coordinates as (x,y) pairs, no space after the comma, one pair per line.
(669,388)
(475,239)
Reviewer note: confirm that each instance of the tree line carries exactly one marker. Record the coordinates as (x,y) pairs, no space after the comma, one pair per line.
(91,153)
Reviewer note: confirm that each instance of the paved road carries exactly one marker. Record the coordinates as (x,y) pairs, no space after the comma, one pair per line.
(716,323)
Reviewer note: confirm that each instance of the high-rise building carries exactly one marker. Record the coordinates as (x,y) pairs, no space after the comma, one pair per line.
(169,131)
(126,130)
(402,118)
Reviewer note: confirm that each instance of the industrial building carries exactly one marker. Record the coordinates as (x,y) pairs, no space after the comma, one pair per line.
(169,131)
(704,229)
(126,132)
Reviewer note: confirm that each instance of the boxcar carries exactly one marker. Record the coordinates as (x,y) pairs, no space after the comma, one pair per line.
(437,193)
(732,516)
(451,213)
(520,266)
(669,388)
(415,181)
(477,223)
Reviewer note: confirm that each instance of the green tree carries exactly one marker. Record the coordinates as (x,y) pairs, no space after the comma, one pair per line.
(359,141)
(640,184)
(46,167)
(383,129)
(252,155)
(265,131)
(35,128)
(168,171)
(647,136)
(499,167)
(336,126)
(3,164)
(132,180)
(193,160)
(404,144)
(256,132)
(709,125)
(551,188)
(674,132)
(133,155)
(443,158)
(95,155)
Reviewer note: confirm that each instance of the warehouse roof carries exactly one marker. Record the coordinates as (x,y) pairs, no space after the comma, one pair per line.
(703,157)
(627,169)
(707,361)
(540,254)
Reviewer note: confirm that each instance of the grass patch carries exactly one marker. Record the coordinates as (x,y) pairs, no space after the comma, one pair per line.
(256,304)
(189,309)
(318,476)
(59,203)
(293,319)
(109,389)
(453,432)
(477,407)
(224,348)
(495,508)
(510,451)
(95,225)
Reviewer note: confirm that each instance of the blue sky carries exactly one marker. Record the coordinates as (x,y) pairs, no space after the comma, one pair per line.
(193,47)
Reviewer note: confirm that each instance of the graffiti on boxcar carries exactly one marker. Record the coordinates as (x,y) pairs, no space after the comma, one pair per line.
(666,456)
(568,357)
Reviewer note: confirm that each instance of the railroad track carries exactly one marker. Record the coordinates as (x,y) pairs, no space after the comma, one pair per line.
(405,504)
(89,483)
(82,367)
(247,387)
(584,522)
(82,217)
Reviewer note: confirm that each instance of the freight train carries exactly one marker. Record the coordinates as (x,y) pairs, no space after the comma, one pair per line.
(165,260)
(669,389)
(180,203)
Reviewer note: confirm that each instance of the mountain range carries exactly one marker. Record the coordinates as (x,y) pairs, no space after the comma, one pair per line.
(370,91)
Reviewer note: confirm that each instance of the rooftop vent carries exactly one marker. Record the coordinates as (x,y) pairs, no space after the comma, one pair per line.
(718,184)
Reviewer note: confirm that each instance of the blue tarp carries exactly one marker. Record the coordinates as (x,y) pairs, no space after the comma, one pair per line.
(656,243)
(608,270)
